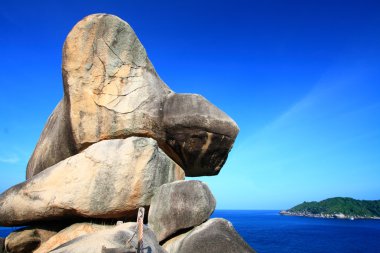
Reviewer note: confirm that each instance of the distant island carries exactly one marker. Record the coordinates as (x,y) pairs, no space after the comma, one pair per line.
(341,208)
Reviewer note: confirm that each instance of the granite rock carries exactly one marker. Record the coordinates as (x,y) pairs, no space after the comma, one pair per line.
(110,179)
(214,236)
(112,240)
(28,239)
(179,205)
(70,233)
(199,133)
(2,245)
(111,90)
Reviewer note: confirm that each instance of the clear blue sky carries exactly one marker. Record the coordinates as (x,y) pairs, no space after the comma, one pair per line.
(301,79)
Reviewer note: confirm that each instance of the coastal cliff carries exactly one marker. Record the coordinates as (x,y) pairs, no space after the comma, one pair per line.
(340,208)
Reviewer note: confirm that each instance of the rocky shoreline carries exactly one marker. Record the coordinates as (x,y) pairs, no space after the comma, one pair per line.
(326,216)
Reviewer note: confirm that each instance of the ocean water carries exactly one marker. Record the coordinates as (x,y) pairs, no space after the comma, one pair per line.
(269,232)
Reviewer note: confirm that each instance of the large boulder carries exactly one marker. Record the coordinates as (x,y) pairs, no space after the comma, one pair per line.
(121,238)
(111,90)
(179,205)
(199,133)
(214,236)
(110,179)
(28,239)
(68,234)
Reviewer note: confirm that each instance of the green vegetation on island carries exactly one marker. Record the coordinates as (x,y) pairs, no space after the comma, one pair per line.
(337,208)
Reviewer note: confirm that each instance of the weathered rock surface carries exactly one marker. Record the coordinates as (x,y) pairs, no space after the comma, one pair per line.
(69,234)
(199,133)
(179,205)
(110,179)
(213,236)
(112,240)
(111,90)
(55,141)
(28,239)
(2,245)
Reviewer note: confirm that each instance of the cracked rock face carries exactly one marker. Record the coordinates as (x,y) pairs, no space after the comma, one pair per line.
(110,179)
(214,236)
(111,90)
(179,205)
(115,239)
(112,86)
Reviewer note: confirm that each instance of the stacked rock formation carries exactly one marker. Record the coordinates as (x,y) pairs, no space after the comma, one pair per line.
(118,140)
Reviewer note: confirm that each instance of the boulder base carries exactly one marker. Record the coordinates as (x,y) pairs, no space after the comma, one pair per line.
(112,240)
(2,245)
(213,236)
(28,239)
(69,234)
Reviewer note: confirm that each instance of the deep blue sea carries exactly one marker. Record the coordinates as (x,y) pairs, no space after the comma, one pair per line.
(268,232)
